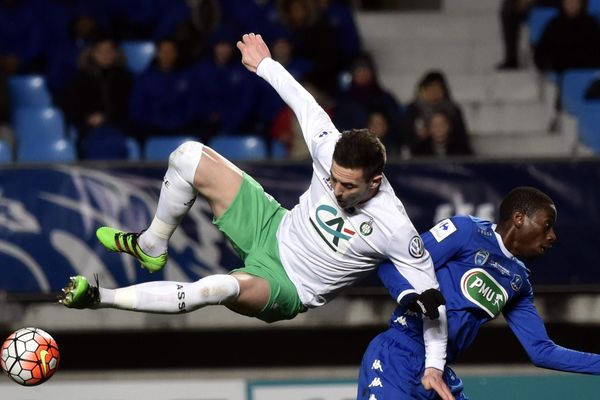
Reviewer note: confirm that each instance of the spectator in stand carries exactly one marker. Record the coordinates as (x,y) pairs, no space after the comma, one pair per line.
(314,39)
(433,94)
(570,40)
(243,16)
(161,98)
(513,13)
(287,130)
(98,100)
(340,17)
(379,125)
(61,64)
(224,93)
(6,132)
(439,139)
(20,37)
(593,90)
(366,92)
(193,33)
(272,109)
(146,19)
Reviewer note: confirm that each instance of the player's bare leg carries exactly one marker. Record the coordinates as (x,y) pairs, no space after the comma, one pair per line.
(193,169)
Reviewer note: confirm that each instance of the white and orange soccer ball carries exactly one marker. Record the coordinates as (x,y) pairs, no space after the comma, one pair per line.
(29,356)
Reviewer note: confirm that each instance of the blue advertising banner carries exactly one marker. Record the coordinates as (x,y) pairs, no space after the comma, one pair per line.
(48,217)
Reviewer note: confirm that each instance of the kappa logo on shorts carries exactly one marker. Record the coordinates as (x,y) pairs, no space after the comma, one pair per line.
(333,229)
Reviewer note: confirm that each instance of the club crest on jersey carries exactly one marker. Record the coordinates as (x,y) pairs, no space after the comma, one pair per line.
(481,289)
(516,282)
(481,257)
(332,228)
(416,248)
(366,228)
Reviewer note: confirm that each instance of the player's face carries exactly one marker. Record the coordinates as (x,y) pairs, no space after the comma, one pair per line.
(536,234)
(350,187)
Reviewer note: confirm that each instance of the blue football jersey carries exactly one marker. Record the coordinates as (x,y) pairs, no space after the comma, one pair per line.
(481,279)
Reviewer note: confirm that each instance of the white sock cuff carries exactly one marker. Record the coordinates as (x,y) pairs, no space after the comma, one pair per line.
(185,160)
(161,228)
(223,288)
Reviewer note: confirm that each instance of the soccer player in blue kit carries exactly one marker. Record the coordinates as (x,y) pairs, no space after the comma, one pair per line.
(481,272)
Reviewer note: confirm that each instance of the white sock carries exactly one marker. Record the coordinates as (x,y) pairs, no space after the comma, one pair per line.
(177,196)
(171,297)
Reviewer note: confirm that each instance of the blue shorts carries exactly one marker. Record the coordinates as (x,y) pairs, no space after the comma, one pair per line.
(392,367)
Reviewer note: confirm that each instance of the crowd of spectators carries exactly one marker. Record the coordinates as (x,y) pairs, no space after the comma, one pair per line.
(195,85)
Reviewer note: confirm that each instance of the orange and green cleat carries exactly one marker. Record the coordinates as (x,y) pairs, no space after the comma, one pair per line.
(123,242)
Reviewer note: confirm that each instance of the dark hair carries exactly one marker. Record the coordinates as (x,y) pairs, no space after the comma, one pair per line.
(523,199)
(435,76)
(359,148)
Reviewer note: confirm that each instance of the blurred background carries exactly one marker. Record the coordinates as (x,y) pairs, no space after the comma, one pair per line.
(471,98)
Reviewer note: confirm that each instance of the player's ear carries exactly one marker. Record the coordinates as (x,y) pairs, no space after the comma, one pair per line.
(376,181)
(518,219)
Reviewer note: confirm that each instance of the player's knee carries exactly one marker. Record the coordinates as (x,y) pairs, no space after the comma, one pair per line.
(185,158)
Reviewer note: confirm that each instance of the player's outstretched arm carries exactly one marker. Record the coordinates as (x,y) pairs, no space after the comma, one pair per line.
(432,380)
(254,50)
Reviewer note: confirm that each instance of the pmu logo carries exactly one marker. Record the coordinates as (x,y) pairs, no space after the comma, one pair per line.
(483,290)
(330,228)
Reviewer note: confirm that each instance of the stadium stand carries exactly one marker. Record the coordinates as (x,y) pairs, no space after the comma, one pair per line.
(29,91)
(5,152)
(508,112)
(46,150)
(537,20)
(158,148)
(573,86)
(240,148)
(37,123)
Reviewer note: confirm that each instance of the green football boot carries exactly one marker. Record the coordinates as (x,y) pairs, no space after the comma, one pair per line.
(79,293)
(123,242)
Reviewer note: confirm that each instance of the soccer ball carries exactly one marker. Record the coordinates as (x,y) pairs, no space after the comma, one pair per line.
(29,356)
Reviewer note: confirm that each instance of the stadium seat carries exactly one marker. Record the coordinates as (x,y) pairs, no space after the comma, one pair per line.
(278,150)
(29,91)
(594,9)
(5,152)
(240,148)
(158,148)
(32,123)
(46,150)
(589,125)
(573,86)
(138,54)
(537,20)
(134,151)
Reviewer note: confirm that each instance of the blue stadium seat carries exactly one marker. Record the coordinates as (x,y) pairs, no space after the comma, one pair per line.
(278,150)
(240,148)
(32,123)
(134,151)
(589,125)
(29,91)
(46,150)
(138,54)
(158,148)
(594,9)
(5,152)
(537,20)
(573,86)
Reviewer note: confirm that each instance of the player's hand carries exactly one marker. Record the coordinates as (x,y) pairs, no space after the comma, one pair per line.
(253,49)
(427,303)
(432,380)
